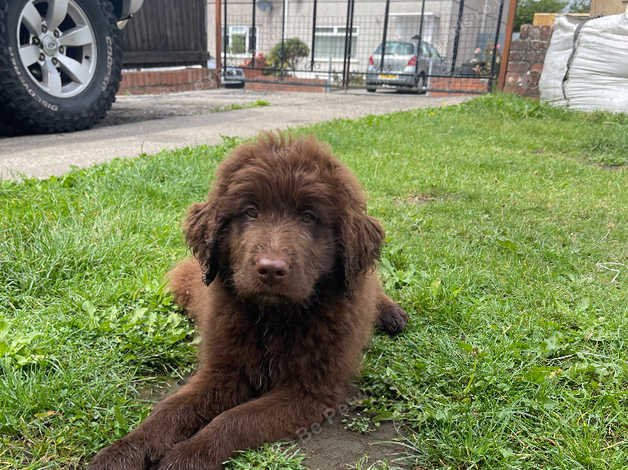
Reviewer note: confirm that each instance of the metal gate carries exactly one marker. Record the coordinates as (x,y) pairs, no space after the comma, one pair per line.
(424,45)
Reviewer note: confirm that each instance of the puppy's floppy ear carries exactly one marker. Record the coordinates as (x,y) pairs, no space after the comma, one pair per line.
(201,234)
(361,238)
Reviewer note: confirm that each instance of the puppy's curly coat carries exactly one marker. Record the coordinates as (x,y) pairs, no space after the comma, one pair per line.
(284,293)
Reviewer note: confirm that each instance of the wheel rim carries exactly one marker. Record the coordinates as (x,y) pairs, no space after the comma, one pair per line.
(57,46)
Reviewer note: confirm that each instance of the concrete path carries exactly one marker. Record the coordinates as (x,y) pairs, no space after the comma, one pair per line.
(148,124)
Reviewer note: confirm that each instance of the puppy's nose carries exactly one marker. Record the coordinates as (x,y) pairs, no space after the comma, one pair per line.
(271,270)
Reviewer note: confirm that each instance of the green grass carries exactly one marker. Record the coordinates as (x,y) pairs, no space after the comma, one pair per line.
(275,456)
(507,244)
(235,106)
(364,463)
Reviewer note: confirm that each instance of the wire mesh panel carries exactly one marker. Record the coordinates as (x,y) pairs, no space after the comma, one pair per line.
(364,43)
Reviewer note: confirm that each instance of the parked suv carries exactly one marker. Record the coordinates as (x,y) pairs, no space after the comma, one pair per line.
(60,61)
(400,69)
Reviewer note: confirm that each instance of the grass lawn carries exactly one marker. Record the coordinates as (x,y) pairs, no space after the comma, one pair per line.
(507,243)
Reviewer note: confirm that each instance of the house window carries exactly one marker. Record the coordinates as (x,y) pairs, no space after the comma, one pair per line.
(329,42)
(240,38)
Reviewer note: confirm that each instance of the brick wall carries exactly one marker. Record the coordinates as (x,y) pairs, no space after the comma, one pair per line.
(525,63)
(314,85)
(461,85)
(166,81)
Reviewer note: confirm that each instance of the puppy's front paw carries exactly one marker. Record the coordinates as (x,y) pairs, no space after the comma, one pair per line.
(392,318)
(189,455)
(125,454)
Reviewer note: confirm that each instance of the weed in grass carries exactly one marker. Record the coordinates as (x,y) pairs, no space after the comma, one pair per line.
(19,350)
(236,106)
(364,463)
(359,423)
(611,148)
(277,456)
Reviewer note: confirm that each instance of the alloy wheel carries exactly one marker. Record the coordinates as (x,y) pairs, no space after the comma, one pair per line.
(57,46)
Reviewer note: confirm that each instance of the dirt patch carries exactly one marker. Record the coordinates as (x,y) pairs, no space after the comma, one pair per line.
(330,446)
(612,167)
(336,448)
(160,389)
(417,199)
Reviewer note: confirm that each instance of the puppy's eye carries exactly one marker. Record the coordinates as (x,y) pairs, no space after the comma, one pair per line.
(308,217)
(251,213)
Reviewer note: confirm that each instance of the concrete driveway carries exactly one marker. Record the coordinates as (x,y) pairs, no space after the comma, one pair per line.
(150,123)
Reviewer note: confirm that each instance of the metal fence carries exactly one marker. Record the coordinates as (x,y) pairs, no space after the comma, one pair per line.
(339,43)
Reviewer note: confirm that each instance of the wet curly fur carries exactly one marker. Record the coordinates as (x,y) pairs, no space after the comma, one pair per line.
(284,293)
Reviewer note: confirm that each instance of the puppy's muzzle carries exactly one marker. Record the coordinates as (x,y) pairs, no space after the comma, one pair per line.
(271,270)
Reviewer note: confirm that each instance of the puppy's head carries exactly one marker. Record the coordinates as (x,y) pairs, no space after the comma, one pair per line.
(284,216)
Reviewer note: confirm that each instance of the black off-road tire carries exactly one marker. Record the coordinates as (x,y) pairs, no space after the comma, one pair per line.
(26,106)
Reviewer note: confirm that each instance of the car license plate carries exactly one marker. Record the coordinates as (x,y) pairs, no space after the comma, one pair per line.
(387,77)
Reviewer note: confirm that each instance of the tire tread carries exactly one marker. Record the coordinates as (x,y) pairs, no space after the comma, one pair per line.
(17,108)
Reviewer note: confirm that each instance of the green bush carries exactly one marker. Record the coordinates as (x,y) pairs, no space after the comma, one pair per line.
(286,58)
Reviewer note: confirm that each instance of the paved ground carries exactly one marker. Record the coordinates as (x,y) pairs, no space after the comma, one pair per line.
(148,124)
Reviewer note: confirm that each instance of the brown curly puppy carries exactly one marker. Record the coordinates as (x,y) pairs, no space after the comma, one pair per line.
(285,296)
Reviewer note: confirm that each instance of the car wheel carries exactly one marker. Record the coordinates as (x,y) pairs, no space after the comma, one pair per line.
(371,90)
(60,63)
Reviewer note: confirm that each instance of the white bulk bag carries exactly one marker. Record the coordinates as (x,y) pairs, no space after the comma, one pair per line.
(586,65)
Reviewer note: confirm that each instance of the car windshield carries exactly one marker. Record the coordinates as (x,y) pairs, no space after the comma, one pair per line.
(396,48)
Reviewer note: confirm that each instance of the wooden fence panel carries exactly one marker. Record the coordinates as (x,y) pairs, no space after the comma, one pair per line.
(166,32)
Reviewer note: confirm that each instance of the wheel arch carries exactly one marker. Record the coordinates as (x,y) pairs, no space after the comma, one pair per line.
(125,8)
(117,7)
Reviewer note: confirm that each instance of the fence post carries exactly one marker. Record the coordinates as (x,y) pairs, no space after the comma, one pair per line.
(457,37)
(253,37)
(313,34)
(494,58)
(429,74)
(283,38)
(204,31)
(385,35)
(350,45)
(346,65)
(218,43)
(418,54)
(344,60)
(225,42)
(503,66)
(329,79)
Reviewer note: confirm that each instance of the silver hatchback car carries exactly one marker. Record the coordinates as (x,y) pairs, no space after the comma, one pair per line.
(400,68)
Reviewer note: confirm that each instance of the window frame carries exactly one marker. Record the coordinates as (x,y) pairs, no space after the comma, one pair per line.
(247,38)
(336,33)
